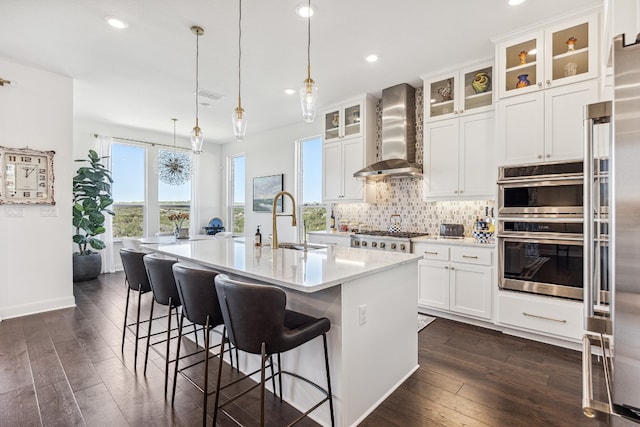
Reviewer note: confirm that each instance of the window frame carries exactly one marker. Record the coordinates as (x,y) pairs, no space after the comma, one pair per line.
(231,205)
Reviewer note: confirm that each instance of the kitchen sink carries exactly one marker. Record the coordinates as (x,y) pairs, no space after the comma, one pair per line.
(300,246)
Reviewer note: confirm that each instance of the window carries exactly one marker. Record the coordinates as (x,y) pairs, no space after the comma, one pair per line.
(128,190)
(173,198)
(236,193)
(310,207)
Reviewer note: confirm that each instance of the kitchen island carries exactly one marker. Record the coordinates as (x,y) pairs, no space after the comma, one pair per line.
(370,298)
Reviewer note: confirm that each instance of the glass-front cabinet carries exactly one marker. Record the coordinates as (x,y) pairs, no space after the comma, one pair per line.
(559,55)
(343,121)
(459,92)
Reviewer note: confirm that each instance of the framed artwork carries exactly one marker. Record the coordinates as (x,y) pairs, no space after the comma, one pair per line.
(264,189)
(26,176)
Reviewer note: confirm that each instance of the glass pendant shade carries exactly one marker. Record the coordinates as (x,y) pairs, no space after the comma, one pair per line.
(239,122)
(196,140)
(308,100)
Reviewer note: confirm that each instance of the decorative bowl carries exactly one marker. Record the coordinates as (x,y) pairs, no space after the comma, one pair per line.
(482,236)
(480,82)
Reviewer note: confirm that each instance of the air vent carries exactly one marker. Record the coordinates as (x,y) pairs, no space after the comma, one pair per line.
(204,93)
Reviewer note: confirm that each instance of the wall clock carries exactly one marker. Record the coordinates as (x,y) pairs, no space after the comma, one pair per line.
(26,176)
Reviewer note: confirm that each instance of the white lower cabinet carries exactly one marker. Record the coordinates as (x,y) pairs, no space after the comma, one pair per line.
(456,279)
(542,315)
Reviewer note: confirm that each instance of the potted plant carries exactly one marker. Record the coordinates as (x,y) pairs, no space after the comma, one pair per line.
(91,201)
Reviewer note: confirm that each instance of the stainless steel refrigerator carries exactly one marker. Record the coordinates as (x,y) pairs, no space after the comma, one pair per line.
(612,246)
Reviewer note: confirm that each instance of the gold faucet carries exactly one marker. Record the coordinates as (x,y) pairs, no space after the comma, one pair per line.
(274,240)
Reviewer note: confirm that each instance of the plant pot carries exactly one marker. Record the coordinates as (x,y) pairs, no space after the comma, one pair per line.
(86,267)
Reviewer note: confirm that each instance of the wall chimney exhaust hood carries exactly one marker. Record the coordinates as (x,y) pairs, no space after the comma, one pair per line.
(398,136)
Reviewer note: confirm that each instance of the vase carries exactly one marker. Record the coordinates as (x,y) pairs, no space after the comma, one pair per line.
(445,91)
(480,83)
(571,44)
(523,57)
(523,81)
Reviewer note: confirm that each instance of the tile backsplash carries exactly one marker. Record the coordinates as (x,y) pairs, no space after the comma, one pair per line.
(404,196)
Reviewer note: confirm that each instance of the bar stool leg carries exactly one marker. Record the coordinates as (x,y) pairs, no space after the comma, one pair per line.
(207,334)
(217,399)
(167,353)
(326,364)
(175,371)
(262,369)
(280,376)
(126,311)
(135,355)
(146,353)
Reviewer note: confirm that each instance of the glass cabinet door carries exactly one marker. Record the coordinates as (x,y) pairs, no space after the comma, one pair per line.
(478,89)
(332,124)
(352,123)
(570,53)
(442,95)
(522,61)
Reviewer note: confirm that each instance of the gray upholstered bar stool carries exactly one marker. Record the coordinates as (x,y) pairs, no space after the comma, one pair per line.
(165,292)
(200,306)
(257,321)
(136,280)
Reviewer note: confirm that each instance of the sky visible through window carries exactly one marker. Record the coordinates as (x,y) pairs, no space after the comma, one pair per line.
(312,167)
(128,171)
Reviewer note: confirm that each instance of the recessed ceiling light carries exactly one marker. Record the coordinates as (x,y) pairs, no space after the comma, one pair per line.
(116,23)
(371,58)
(305,11)
(515,2)
(289,91)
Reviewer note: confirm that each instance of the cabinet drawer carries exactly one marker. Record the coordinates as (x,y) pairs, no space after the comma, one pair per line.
(431,251)
(470,255)
(545,315)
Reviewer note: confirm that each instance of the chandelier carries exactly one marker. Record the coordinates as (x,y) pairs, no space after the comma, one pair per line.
(174,168)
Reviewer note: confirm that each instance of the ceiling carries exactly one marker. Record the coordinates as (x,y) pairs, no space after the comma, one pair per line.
(144,75)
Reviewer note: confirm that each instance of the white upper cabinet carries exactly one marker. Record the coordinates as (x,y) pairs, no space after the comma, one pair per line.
(456,93)
(558,55)
(349,145)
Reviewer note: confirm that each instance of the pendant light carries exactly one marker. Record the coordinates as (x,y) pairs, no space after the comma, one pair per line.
(174,167)
(309,92)
(239,117)
(196,133)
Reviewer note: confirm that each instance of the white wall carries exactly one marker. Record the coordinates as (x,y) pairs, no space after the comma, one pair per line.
(269,153)
(35,260)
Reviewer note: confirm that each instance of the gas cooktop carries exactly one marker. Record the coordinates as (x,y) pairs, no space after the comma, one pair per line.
(399,234)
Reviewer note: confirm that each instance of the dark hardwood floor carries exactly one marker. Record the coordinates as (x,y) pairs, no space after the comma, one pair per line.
(65,368)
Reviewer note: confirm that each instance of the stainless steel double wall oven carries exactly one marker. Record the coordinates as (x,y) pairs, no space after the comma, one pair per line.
(540,228)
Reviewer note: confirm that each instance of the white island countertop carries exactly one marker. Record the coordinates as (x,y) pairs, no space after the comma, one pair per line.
(309,271)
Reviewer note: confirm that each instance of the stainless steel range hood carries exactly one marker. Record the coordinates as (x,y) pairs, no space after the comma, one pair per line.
(398,136)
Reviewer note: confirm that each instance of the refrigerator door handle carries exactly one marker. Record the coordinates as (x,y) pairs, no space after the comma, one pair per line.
(595,408)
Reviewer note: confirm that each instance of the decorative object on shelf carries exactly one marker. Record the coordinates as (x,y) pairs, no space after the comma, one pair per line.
(395,225)
(196,134)
(571,44)
(570,69)
(482,236)
(91,201)
(26,176)
(174,168)
(264,190)
(239,117)
(523,57)
(309,92)
(356,117)
(481,81)
(178,219)
(523,81)
(336,120)
(445,92)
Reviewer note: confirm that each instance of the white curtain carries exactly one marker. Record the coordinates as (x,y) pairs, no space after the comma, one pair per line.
(108,259)
(194,214)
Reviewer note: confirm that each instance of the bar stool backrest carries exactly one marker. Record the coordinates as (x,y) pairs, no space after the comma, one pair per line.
(161,279)
(198,294)
(252,313)
(134,269)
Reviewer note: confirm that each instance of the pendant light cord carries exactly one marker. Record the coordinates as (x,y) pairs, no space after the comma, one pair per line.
(309,42)
(197,76)
(239,48)
(174,134)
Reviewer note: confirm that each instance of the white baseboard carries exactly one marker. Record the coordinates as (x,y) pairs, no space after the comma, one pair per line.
(37,307)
